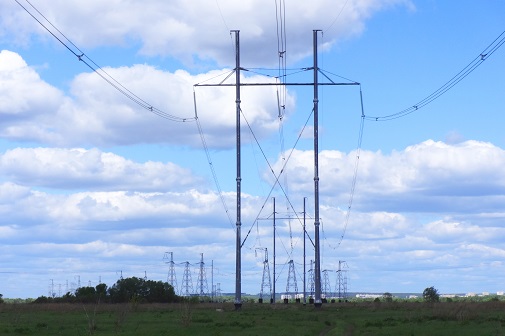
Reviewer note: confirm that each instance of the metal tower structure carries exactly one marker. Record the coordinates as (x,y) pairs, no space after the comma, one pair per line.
(187,283)
(265,280)
(239,243)
(311,279)
(326,287)
(171,278)
(218,292)
(291,286)
(341,280)
(317,262)
(345,285)
(203,289)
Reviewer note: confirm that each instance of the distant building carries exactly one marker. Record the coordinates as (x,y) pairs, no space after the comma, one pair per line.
(368,296)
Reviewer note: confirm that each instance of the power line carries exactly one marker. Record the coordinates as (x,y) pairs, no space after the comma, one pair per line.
(484,55)
(209,160)
(81,56)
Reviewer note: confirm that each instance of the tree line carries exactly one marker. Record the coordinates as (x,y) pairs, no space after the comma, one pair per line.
(124,290)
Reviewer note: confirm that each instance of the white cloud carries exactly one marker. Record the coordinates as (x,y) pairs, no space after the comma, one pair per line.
(92,169)
(96,114)
(188,30)
(430,174)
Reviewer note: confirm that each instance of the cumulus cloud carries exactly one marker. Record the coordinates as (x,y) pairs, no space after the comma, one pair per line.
(79,168)
(428,175)
(187,31)
(96,114)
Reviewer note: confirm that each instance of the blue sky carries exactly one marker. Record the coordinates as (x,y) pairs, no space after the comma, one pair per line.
(91,184)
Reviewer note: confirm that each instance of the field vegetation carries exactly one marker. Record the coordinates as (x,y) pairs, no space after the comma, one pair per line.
(379,317)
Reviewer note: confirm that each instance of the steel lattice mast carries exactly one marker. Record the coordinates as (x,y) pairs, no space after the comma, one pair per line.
(171,278)
(292,286)
(187,282)
(202,280)
(266,282)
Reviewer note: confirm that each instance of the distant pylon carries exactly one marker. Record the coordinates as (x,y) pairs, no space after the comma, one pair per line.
(345,284)
(341,280)
(266,282)
(291,286)
(218,292)
(326,287)
(187,283)
(171,278)
(311,279)
(202,280)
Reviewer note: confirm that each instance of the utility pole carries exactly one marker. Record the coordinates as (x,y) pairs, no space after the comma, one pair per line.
(238,258)
(317,267)
(304,264)
(212,280)
(273,294)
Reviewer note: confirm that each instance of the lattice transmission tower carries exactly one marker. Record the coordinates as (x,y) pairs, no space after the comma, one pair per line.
(203,289)
(311,279)
(291,286)
(326,286)
(172,277)
(187,282)
(342,280)
(266,282)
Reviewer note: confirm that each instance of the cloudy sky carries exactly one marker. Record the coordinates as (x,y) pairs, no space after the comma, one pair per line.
(93,186)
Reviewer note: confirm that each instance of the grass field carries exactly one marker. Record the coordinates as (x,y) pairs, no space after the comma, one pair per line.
(370,318)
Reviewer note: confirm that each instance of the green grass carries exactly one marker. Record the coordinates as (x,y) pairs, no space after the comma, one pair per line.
(455,318)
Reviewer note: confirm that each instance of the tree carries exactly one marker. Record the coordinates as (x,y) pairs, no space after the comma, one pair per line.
(126,290)
(101,290)
(1,300)
(86,294)
(430,294)
(388,297)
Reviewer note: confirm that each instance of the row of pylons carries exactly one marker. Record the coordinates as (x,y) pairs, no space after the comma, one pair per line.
(292,286)
(186,288)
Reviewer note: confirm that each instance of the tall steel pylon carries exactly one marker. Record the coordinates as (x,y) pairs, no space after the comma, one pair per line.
(291,286)
(187,283)
(239,243)
(265,280)
(203,289)
(171,278)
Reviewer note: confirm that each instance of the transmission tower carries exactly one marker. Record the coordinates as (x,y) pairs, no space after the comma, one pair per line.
(202,280)
(326,287)
(345,284)
(171,278)
(218,292)
(291,286)
(187,283)
(341,280)
(311,280)
(265,280)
